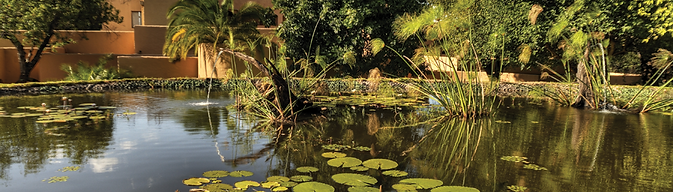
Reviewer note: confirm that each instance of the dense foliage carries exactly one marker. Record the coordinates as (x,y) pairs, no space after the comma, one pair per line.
(331,29)
(32,23)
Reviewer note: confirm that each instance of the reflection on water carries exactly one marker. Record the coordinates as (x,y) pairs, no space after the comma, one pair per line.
(171,139)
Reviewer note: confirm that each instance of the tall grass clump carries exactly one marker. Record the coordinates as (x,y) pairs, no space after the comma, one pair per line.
(98,71)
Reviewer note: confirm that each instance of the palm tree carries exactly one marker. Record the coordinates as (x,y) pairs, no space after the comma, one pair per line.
(202,25)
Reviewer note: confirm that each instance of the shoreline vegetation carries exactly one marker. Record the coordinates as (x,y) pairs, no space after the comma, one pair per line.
(549,91)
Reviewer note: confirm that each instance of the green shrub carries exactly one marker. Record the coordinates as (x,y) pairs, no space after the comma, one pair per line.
(98,71)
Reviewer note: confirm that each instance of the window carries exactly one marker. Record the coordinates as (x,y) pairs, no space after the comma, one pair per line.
(137,18)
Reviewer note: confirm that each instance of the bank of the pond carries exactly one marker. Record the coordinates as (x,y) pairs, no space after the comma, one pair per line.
(539,90)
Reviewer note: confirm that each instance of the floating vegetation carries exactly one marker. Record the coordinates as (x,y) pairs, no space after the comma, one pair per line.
(503,121)
(333,155)
(362,148)
(69,168)
(382,164)
(270,184)
(422,183)
(195,181)
(307,169)
(395,173)
(288,184)
(336,147)
(301,178)
(534,122)
(517,188)
(359,168)
(404,188)
(353,179)
(514,159)
(534,167)
(454,189)
(312,187)
(362,189)
(279,179)
(240,174)
(57,179)
(344,162)
(219,187)
(246,184)
(216,173)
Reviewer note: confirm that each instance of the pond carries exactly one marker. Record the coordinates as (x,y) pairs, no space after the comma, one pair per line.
(172,136)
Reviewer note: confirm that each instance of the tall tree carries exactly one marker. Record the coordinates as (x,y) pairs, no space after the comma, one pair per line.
(33,24)
(329,29)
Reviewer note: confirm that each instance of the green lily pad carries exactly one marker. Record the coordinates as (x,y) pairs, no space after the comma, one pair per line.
(503,121)
(278,179)
(335,147)
(353,179)
(514,159)
(216,173)
(301,178)
(195,181)
(58,179)
(362,148)
(288,184)
(69,168)
(246,184)
(129,113)
(270,184)
(359,168)
(333,155)
(395,173)
(106,107)
(307,169)
(362,189)
(281,188)
(87,104)
(534,167)
(454,189)
(516,188)
(383,164)
(240,173)
(218,187)
(313,187)
(422,183)
(344,162)
(404,188)
(44,121)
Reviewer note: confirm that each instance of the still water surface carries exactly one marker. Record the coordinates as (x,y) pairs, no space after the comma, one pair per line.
(172,138)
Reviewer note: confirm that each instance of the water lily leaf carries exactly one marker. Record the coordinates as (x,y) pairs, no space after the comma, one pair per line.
(517,188)
(106,107)
(270,184)
(216,173)
(353,179)
(454,189)
(404,188)
(307,169)
(333,155)
(279,189)
(344,162)
(383,164)
(44,121)
(359,168)
(502,121)
(514,159)
(534,167)
(58,179)
(129,113)
(216,181)
(219,187)
(288,184)
(362,148)
(422,183)
(301,178)
(335,147)
(278,179)
(87,104)
(362,189)
(246,184)
(240,174)
(313,187)
(69,168)
(195,181)
(395,173)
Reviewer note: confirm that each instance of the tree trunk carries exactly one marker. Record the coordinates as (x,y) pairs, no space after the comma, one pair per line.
(585,97)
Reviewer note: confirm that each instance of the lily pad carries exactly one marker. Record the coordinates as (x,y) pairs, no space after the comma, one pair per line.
(404,188)
(454,189)
(288,184)
(301,178)
(246,184)
(281,188)
(514,159)
(335,147)
(216,173)
(353,179)
(503,121)
(395,173)
(383,164)
(278,179)
(344,162)
(534,167)
(333,155)
(195,181)
(362,148)
(307,169)
(58,179)
(87,104)
(362,189)
(422,183)
(313,187)
(359,168)
(218,187)
(516,188)
(69,168)
(270,184)
(240,174)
